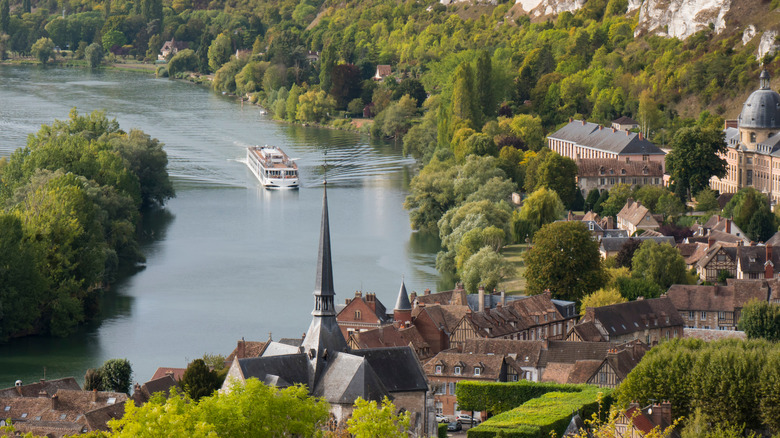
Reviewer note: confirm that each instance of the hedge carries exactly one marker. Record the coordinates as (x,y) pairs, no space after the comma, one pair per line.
(498,397)
(442,430)
(539,417)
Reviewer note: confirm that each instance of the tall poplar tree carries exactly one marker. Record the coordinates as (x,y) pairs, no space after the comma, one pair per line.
(463,95)
(484,84)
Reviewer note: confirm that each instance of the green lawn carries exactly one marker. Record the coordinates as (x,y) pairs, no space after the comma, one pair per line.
(514,254)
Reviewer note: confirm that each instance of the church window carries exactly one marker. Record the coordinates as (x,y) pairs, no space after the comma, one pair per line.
(752,137)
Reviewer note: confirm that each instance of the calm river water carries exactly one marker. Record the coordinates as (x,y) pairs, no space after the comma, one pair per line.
(225,259)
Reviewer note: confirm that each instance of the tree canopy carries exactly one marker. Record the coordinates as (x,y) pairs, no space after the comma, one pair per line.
(694,159)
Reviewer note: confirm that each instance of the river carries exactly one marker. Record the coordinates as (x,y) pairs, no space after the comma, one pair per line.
(226,259)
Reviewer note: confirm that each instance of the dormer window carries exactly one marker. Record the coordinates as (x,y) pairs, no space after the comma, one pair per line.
(622,171)
(438,369)
(457,371)
(477,371)
(7,408)
(24,415)
(601,170)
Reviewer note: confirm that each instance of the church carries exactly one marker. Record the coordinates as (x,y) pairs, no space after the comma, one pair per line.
(330,369)
(753,154)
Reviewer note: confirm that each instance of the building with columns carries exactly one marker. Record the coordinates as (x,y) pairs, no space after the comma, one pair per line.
(753,154)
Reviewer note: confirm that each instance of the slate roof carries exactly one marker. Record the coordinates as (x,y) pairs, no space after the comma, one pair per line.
(613,244)
(625,318)
(761,110)
(402,303)
(588,332)
(491,300)
(34,389)
(397,368)
(598,167)
(753,258)
(347,378)
(291,368)
(774,240)
(692,252)
(595,136)
(625,120)
(280,348)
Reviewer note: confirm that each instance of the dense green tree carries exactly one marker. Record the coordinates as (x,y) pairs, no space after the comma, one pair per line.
(328,59)
(93,380)
(43,50)
(292,102)
(670,205)
(555,172)
(314,106)
(345,84)
(694,159)
(603,197)
(706,200)
(529,128)
(183,61)
(94,55)
(601,297)
(199,381)
(618,196)
(413,88)
(662,264)
(113,40)
(564,259)
(464,98)
(541,208)
(5,16)
(760,319)
(483,84)
(762,226)
(590,201)
(369,420)
(219,52)
(649,196)
(397,117)
(633,288)
(625,256)
(116,375)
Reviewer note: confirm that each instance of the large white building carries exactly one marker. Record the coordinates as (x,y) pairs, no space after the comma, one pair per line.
(753,155)
(582,140)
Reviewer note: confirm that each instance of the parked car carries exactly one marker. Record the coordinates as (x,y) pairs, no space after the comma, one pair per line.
(454,426)
(466,419)
(442,418)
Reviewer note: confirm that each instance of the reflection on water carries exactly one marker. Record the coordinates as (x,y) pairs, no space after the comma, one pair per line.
(225,259)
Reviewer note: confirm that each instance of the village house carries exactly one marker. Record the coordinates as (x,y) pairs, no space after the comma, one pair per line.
(330,369)
(603,174)
(449,367)
(59,408)
(391,336)
(625,123)
(634,217)
(584,140)
(171,48)
(537,317)
(719,257)
(599,227)
(753,146)
(637,422)
(523,358)
(382,71)
(648,320)
(142,393)
(718,307)
(738,261)
(437,322)
(596,363)
(362,313)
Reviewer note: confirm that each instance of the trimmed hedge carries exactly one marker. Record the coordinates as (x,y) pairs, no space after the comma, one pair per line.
(539,417)
(498,397)
(442,430)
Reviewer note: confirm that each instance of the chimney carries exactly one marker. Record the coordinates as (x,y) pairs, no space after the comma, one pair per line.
(769,267)
(427,291)
(18,385)
(640,136)
(666,411)
(412,296)
(590,314)
(600,127)
(42,393)
(94,396)
(570,120)
(728,226)
(583,122)
(710,242)
(358,294)
(614,130)
(660,413)
(55,402)
(481,297)
(503,298)
(241,349)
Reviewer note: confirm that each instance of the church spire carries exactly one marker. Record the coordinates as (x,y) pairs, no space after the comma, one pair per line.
(323,286)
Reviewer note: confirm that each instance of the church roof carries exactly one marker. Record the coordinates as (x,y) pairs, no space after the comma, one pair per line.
(347,378)
(291,368)
(324,280)
(397,367)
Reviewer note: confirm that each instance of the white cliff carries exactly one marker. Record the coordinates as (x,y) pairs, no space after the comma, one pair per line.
(768,44)
(681,18)
(538,8)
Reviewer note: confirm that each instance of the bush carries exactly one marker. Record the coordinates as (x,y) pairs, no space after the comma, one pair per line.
(442,430)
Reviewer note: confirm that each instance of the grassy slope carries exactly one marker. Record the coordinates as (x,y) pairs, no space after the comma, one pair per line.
(513,253)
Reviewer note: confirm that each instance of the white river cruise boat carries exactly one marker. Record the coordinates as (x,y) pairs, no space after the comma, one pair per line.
(272,167)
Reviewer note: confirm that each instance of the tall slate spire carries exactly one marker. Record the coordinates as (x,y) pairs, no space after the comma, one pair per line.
(324,339)
(323,286)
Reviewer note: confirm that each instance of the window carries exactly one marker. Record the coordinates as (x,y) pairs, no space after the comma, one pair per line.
(38,418)
(357,314)
(24,415)
(691,315)
(457,370)
(703,315)
(441,389)
(438,369)
(752,137)
(477,371)
(63,416)
(645,157)
(7,408)
(452,388)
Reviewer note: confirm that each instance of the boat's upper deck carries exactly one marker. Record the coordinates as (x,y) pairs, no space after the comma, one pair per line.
(272,157)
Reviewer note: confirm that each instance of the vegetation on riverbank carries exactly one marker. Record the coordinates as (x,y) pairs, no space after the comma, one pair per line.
(72,200)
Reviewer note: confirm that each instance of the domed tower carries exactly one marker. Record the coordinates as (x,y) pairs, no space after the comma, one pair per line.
(760,116)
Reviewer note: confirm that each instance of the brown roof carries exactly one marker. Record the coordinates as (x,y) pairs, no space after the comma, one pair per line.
(571,351)
(523,353)
(692,252)
(390,336)
(455,296)
(712,335)
(637,214)
(34,389)
(633,316)
(516,316)
(251,349)
(625,120)
(587,331)
(729,250)
(490,365)
(383,70)
(583,370)
(446,316)
(557,372)
(177,373)
(595,167)
(142,393)
(727,298)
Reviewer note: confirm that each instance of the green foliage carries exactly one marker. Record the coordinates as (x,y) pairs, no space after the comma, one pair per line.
(94,55)
(370,420)
(590,201)
(116,375)
(566,260)
(485,268)
(498,397)
(93,379)
(553,171)
(219,52)
(183,61)
(199,381)
(540,208)
(694,159)
(706,200)
(760,319)
(750,211)
(617,200)
(662,264)
(43,50)
(602,297)
(544,414)
(633,288)
(252,409)
(625,256)
(725,379)
(649,196)
(442,430)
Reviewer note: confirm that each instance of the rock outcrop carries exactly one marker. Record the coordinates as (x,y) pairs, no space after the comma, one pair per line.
(680,18)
